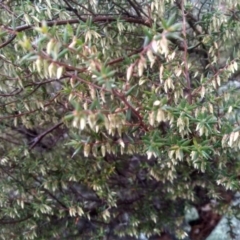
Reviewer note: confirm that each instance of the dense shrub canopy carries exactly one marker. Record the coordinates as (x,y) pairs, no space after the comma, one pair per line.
(116,116)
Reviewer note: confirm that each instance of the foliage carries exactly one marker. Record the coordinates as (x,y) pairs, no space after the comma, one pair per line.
(116,116)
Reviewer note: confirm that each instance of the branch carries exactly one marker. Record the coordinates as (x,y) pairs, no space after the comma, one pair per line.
(73,10)
(13,93)
(122,97)
(8,41)
(29,112)
(193,22)
(77,21)
(49,193)
(80,5)
(15,221)
(185,46)
(117,60)
(135,8)
(37,139)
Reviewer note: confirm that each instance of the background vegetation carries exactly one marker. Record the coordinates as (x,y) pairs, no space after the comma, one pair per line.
(117,117)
